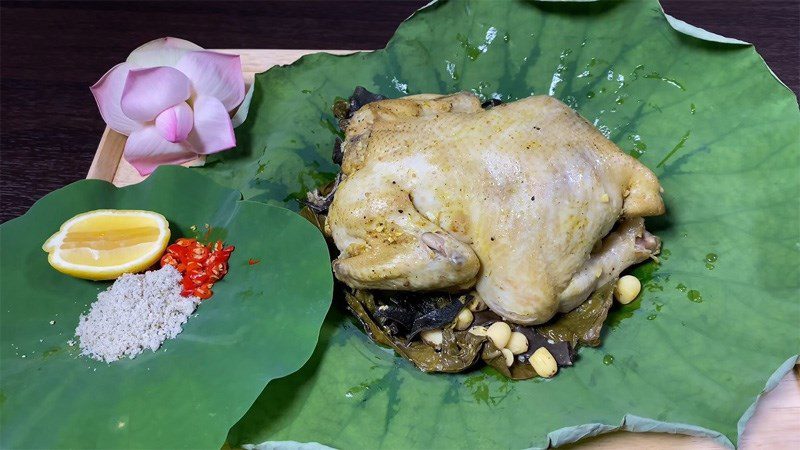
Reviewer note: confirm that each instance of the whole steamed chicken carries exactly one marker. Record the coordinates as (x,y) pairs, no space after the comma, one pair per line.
(525,201)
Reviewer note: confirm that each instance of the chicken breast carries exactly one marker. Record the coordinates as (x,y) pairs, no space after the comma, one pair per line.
(518,200)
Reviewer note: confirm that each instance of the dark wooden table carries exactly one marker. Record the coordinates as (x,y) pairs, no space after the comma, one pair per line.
(51,52)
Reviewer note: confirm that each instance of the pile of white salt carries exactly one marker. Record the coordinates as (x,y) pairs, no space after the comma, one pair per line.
(137,312)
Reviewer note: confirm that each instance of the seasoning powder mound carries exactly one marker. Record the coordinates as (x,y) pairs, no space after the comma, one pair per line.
(136,313)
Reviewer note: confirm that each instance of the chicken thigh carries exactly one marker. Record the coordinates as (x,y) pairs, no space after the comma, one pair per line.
(525,201)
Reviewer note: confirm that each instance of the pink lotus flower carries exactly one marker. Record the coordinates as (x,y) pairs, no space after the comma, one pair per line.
(173,100)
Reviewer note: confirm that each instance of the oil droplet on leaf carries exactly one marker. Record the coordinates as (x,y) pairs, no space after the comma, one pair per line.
(652,317)
(608,360)
(694,296)
(639,147)
(51,352)
(681,287)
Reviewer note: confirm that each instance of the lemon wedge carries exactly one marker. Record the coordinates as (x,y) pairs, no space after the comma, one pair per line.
(105,243)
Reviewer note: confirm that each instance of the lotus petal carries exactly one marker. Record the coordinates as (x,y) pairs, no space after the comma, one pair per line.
(215,74)
(147,149)
(213,130)
(175,123)
(108,93)
(164,51)
(148,92)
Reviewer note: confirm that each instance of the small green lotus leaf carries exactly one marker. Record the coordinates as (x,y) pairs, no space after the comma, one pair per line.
(262,323)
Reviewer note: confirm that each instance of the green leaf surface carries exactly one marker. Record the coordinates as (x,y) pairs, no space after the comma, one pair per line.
(716,318)
(262,323)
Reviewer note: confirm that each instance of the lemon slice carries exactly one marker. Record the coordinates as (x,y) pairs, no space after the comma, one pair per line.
(105,243)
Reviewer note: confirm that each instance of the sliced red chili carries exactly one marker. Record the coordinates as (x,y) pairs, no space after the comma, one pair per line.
(201,265)
(185,242)
(187,285)
(197,277)
(168,260)
(202,292)
(217,271)
(199,253)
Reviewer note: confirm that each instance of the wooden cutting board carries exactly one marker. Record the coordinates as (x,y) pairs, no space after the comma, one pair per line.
(775,425)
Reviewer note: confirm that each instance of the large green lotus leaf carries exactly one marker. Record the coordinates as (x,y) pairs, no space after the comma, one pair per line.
(717,317)
(262,323)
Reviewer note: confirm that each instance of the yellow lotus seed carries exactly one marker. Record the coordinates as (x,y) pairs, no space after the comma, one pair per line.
(432,337)
(508,356)
(464,319)
(543,363)
(517,343)
(477,303)
(499,333)
(627,289)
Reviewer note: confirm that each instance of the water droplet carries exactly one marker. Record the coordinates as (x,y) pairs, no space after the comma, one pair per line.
(451,69)
(694,296)
(608,360)
(401,87)
(665,254)
(472,51)
(590,94)
(506,37)
(651,317)
(681,287)
(711,258)
(692,109)
(557,75)
(670,81)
